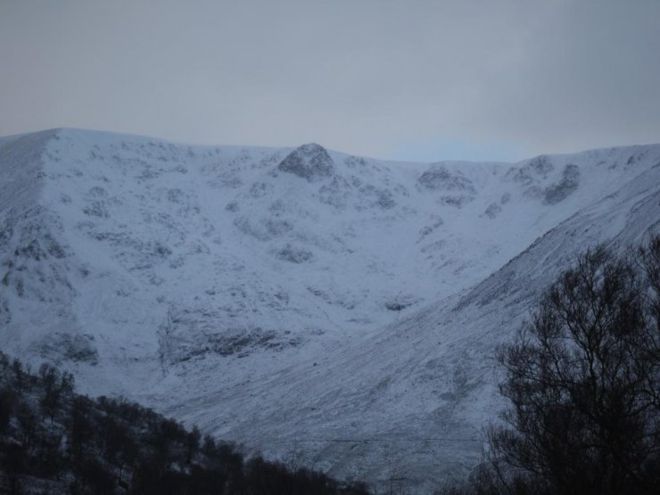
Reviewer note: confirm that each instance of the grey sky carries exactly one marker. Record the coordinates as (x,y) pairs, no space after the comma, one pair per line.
(408,79)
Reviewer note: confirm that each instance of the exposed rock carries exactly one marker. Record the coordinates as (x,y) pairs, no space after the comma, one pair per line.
(492,210)
(191,333)
(438,178)
(562,189)
(400,302)
(294,255)
(541,165)
(309,161)
(78,348)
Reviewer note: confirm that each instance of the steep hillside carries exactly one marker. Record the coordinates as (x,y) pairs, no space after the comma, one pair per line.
(333,310)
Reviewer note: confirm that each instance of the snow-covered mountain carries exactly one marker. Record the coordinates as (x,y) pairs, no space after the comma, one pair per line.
(334,311)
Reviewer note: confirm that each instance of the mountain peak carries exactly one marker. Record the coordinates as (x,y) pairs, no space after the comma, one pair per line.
(180,275)
(310,161)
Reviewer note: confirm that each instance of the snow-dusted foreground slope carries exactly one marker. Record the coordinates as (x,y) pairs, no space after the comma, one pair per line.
(332,310)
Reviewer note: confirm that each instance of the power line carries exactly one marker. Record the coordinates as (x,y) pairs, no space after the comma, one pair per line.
(373,440)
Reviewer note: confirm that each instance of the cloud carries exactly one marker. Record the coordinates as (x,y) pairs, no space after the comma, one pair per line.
(370,77)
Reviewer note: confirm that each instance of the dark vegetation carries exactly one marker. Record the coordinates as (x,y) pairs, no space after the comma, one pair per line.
(582,381)
(54,441)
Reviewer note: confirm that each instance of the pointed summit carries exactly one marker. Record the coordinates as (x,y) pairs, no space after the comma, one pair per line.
(309,161)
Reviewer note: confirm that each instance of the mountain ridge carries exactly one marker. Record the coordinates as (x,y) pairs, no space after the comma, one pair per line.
(146,267)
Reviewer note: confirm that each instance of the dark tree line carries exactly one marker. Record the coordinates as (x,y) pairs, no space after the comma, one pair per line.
(583,384)
(53,440)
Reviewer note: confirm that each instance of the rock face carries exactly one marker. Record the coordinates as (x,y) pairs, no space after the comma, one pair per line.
(438,178)
(309,161)
(568,184)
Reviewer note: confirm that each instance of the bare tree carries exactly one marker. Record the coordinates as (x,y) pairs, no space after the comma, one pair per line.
(583,381)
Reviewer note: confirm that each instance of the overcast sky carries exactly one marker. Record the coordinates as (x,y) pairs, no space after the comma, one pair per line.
(413,79)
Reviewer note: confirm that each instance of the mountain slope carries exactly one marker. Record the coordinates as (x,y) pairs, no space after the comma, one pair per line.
(341,309)
(413,399)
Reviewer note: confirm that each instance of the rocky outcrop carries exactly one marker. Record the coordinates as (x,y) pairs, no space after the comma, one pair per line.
(309,161)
